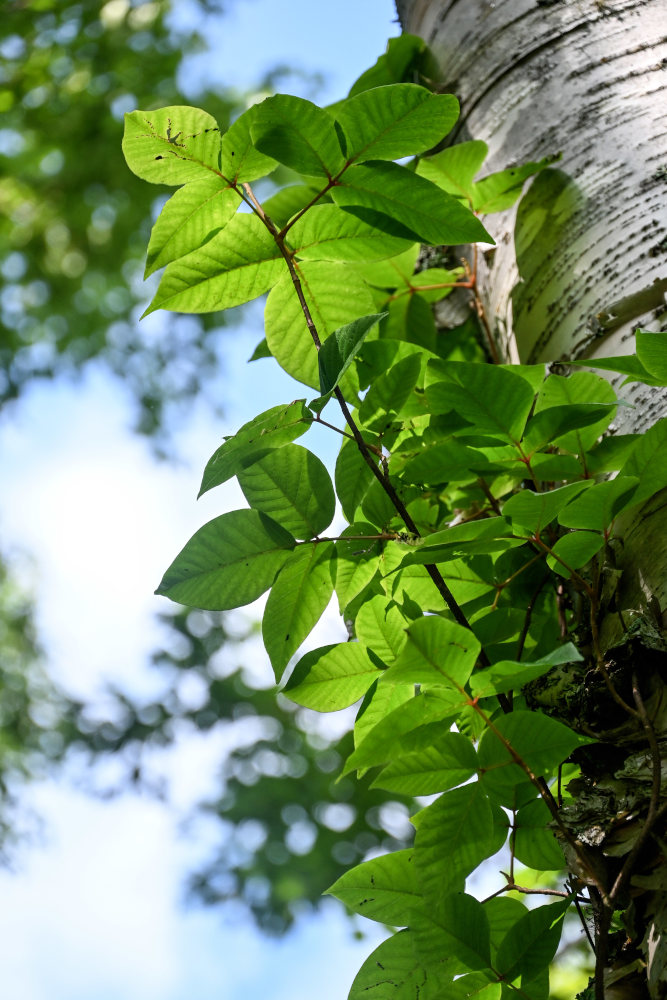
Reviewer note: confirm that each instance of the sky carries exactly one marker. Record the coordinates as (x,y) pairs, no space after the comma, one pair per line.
(94,909)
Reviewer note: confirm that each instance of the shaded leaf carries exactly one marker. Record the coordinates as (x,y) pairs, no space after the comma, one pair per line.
(297,133)
(494,400)
(532,942)
(457,926)
(534,842)
(429,760)
(340,348)
(535,511)
(599,505)
(420,207)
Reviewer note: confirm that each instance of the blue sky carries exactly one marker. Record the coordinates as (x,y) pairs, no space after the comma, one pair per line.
(94,911)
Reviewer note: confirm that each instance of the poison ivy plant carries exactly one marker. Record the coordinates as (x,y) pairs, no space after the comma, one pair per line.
(480,517)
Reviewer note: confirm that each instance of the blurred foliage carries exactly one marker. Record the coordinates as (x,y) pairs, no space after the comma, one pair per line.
(34,714)
(73,231)
(288,828)
(73,224)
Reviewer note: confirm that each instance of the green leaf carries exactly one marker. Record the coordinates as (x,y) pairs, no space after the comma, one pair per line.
(332,677)
(652,353)
(326,232)
(240,162)
(379,744)
(405,56)
(448,462)
(381,626)
(454,168)
(534,511)
(458,927)
(599,505)
(500,191)
(581,387)
(626,364)
(534,843)
(285,203)
(229,562)
(429,760)
(388,393)
(489,535)
(340,349)
(549,424)
(356,562)
(647,462)
(422,209)
(437,652)
(393,972)
(532,942)
(299,596)
(494,400)
(286,331)
(291,485)
(353,478)
(454,835)
(191,217)
(171,145)
(540,741)
(271,429)
(508,675)
(390,122)
(299,134)
(241,262)
(383,888)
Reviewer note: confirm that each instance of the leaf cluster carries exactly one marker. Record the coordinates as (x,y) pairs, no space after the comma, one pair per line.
(480,513)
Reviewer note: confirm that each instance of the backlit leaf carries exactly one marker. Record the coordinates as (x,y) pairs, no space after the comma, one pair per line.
(383,888)
(271,429)
(494,400)
(286,331)
(229,562)
(293,487)
(241,262)
(298,597)
(332,677)
(456,926)
(326,232)
(191,217)
(171,145)
(437,652)
(239,160)
(532,942)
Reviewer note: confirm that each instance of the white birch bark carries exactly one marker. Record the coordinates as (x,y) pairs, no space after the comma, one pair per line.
(582,263)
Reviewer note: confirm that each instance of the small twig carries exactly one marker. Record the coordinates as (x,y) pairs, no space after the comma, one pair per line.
(582,919)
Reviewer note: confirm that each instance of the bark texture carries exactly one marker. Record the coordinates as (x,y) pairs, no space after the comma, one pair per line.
(578,267)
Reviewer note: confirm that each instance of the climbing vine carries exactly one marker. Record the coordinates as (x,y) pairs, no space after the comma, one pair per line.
(481,500)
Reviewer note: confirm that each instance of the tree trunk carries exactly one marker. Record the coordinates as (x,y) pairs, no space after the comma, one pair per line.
(578,267)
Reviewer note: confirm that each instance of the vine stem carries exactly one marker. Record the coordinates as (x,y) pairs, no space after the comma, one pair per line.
(379,474)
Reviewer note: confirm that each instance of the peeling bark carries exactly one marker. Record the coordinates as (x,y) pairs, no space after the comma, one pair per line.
(578,267)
